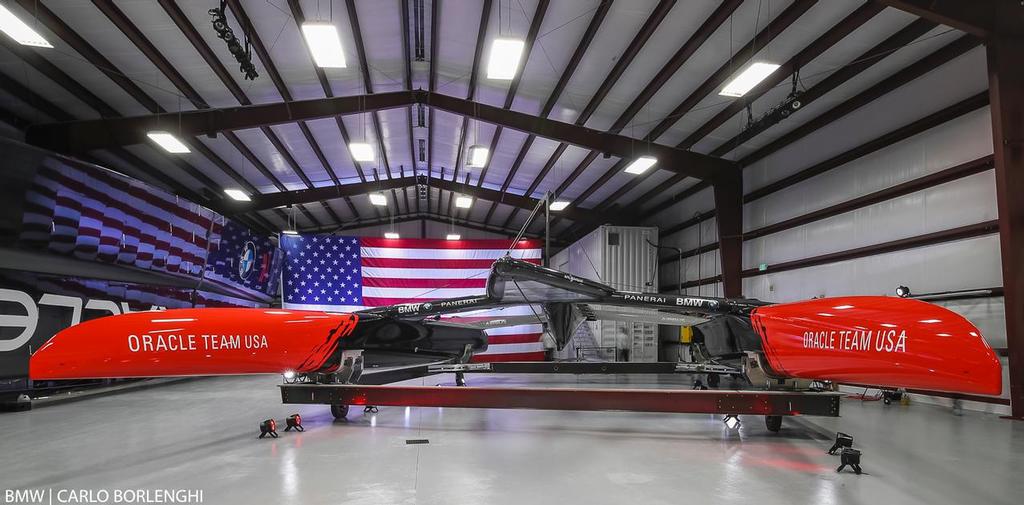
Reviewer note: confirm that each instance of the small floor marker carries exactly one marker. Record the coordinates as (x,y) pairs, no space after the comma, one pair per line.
(415,441)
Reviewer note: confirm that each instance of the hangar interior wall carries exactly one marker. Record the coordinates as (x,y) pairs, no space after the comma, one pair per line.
(972,263)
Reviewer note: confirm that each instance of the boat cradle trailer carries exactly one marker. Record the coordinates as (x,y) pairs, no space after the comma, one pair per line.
(515,282)
(377,390)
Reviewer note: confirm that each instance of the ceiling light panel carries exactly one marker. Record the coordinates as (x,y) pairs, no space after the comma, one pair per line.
(748,78)
(324,44)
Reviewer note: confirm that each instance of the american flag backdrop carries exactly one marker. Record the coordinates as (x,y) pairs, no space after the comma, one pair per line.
(339,273)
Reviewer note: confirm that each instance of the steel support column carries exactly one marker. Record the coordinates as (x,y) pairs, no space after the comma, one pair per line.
(1006,80)
(729,209)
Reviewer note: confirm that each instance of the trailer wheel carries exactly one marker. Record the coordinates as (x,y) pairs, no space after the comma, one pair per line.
(773,423)
(339,411)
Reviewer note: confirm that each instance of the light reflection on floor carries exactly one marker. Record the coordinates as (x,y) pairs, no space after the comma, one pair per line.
(203,434)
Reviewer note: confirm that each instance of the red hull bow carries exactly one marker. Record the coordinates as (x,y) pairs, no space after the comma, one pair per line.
(884,341)
(181,342)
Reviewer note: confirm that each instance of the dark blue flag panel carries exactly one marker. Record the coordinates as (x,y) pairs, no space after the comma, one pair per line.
(86,212)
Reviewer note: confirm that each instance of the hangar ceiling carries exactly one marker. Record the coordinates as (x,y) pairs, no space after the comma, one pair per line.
(628,76)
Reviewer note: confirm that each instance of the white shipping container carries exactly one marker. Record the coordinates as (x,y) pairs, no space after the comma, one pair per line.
(621,257)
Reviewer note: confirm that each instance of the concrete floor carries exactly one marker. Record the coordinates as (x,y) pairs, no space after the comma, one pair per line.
(202,434)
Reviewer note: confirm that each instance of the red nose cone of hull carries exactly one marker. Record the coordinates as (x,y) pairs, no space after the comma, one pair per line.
(183,342)
(876,340)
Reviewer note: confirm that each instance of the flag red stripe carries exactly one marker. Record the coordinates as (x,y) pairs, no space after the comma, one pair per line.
(417,243)
(512,356)
(520,338)
(384,282)
(483,264)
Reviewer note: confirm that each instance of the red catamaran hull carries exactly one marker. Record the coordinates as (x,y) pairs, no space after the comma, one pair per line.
(182,342)
(878,340)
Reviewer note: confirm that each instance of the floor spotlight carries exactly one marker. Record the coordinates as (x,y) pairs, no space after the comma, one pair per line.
(732,422)
(849,457)
(294,421)
(903,292)
(268,427)
(843,441)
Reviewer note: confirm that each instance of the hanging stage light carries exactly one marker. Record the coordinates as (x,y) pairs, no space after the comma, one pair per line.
(268,427)
(294,421)
(243,55)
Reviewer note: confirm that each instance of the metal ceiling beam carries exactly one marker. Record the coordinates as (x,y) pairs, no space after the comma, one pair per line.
(677,160)
(364,70)
(143,44)
(57,75)
(481,39)
(426,216)
(556,93)
(299,16)
(774,28)
(282,89)
(621,63)
(76,136)
(978,17)
(281,199)
(36,101)
(859,64)
(838,32)
(906,131)
(513,88)
(934,60)
(714,81)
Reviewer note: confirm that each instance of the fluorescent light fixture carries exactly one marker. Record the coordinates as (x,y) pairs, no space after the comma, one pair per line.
(748,78)
(237,194)
(16,29)
(391,235)
(464,202)
(477,156)
(289,232)
(361,151)
(558,205)
(378,199)
(454,236)
(324,44)
(169,142)
(641,164)
(504,59)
